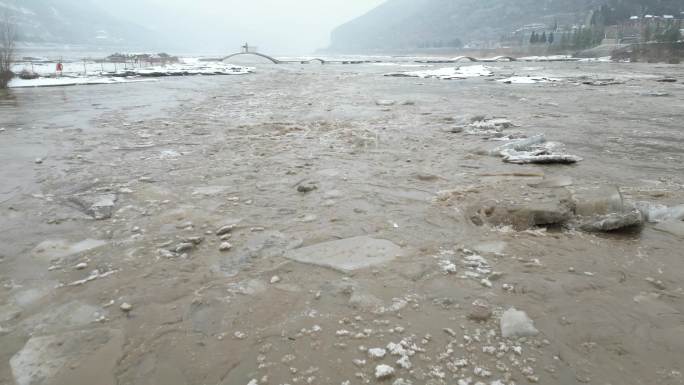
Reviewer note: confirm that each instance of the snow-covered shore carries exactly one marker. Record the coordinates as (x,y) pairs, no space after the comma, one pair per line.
(69,78)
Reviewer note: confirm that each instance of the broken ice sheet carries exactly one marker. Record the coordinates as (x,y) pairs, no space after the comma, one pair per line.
(534,150)
(527,80)
(448,73)
(134,75)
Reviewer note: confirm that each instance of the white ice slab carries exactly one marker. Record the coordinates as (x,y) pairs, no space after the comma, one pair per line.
(448,72)
(70,81)
(347,254)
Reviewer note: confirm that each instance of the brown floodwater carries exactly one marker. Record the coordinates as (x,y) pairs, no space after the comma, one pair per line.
(166,164)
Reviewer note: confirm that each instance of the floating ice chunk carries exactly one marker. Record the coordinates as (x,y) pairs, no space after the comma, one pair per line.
(536,158)
(520,145)
(383,371)
(95,274)
(401,381)
(396,349)
(133,75)
(494,124)
(447,73)
(70,81)
(398,304)
(405,362)
(474,71)
(655,213)
(188,69)
(613,221)
(377,353)
(347,254)
(359,362)
(515,323)
(548,58)
(447,267)
(462,363)
(482,372)
(385,103)
(527,80)
(534,149)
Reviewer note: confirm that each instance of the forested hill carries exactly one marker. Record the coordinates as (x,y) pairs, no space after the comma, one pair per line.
(401,24)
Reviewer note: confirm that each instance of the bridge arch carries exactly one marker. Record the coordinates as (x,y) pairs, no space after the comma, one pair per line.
(315,59)
(504,58)
(272,60)
(459,58)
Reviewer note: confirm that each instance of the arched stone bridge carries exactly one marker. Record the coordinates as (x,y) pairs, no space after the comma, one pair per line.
(274,60)
(307,61)
(494,59)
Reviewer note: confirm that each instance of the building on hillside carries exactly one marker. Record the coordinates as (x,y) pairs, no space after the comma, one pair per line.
(640,30)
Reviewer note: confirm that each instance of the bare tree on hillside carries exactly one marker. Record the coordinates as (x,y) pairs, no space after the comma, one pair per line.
(8,37)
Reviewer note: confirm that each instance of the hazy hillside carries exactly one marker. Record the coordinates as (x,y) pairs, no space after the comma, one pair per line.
(401,24)
(72,22)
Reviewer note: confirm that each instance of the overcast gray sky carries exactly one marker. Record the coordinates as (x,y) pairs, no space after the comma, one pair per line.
(276,26)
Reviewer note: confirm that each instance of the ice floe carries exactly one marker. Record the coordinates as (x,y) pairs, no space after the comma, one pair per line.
(200,68)
(534,149)
(527,80)
(447,73)
(70,81)
(132,75)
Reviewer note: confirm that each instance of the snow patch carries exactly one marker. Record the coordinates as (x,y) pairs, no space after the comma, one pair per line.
(447,73)
(527,80)
(70,81)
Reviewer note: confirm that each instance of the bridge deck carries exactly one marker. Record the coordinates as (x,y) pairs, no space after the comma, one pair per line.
(322,61)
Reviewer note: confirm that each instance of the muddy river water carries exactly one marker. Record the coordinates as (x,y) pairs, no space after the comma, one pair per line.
(311,224)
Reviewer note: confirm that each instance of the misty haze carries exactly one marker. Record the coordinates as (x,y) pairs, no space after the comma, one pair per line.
(341,192)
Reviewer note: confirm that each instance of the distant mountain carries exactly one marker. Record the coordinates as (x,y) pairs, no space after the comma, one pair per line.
(407,24)
(72,22)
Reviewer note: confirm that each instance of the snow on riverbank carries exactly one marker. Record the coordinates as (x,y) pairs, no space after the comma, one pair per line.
(132,75)
(187,69)
(548,58)
(70,81)
(448,73)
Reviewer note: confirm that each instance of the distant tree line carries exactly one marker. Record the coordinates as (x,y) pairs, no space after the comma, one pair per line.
(536,38)
(618,12)
(667,32)
(582,38)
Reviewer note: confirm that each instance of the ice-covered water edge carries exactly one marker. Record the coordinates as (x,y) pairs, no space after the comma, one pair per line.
(447,73)
(72,81)
(130,75)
